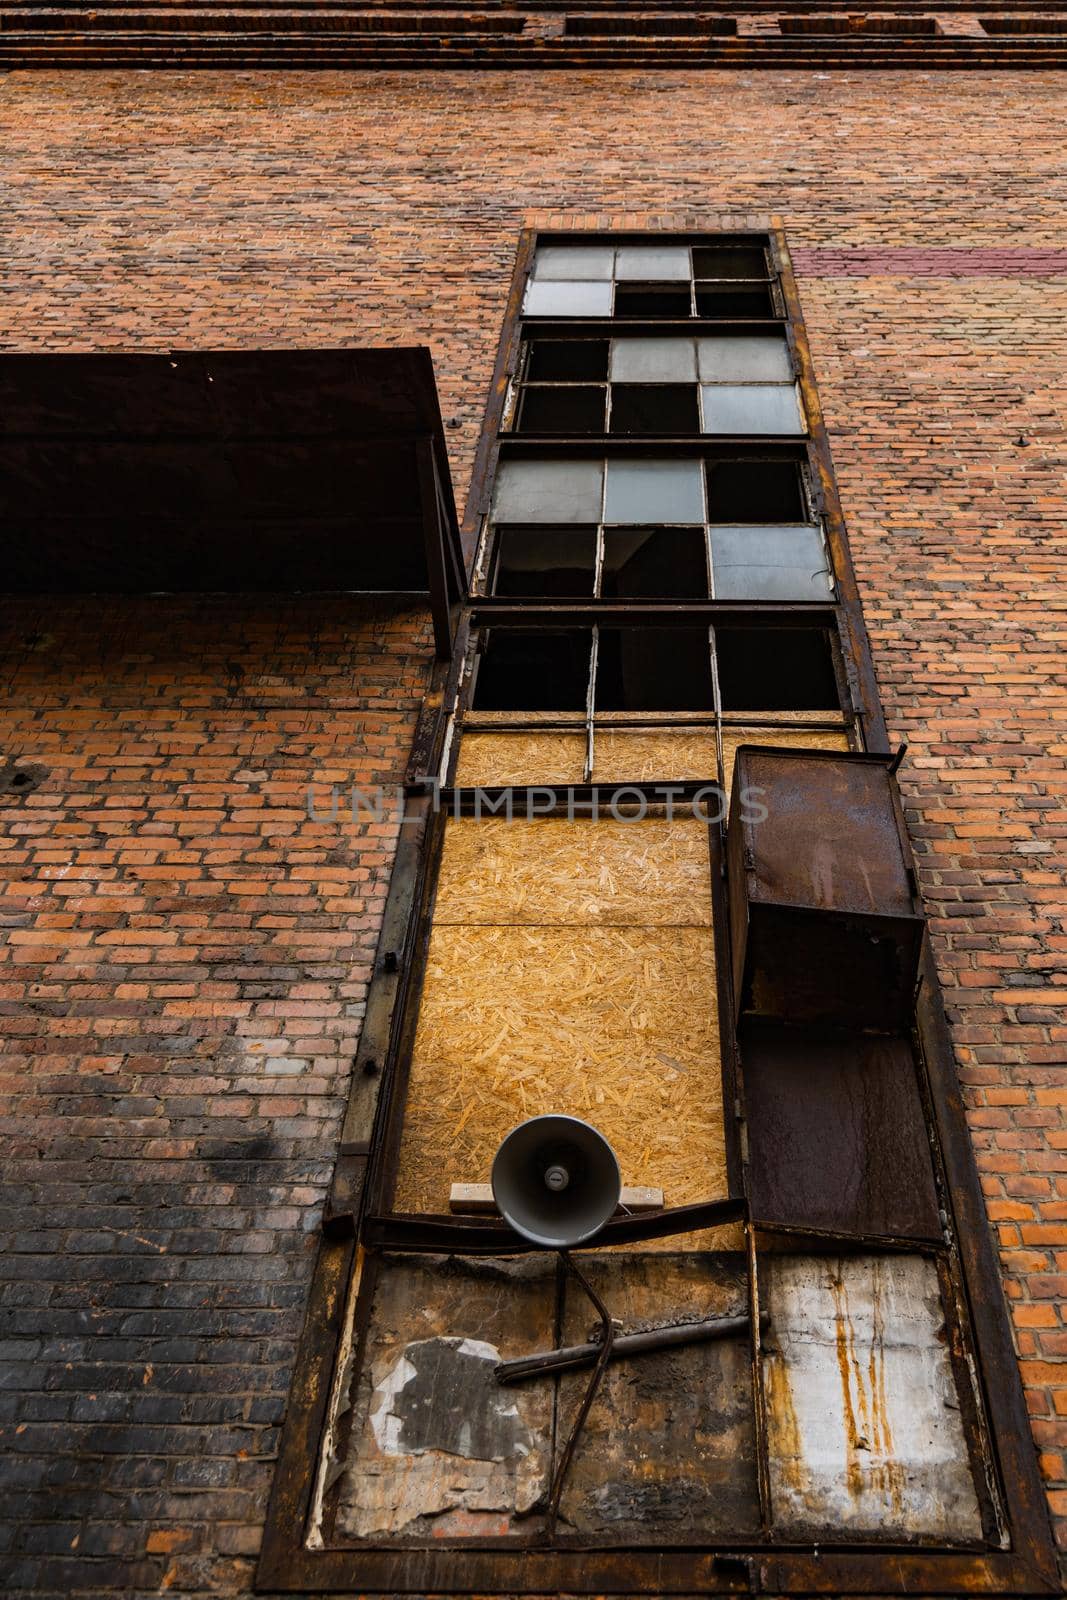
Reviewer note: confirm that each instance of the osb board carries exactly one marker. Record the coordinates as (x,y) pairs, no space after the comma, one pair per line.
(668,1453)
(798,738)
(864,1427)
(552,871)
(436,1446)
(617,1025)
(485,759)
(647,755)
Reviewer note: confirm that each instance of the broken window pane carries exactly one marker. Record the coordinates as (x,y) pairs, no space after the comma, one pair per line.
(548,491)
(562,408)
(776,669)
(653,361)
(755,491)
(657,563)
(652,300)
(653,263)
(654,669)
(654,408)
(751,408)
(730,261)
(542,560)
(567,360)
(568,300)
(571,262)
(744,358)
(742,304)
(654,491)
(524,671)
(779,563)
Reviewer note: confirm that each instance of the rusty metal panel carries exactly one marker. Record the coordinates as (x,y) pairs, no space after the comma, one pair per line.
(437,1448)
(837,1142)
(668,1452)
(823,913)
(864,1427)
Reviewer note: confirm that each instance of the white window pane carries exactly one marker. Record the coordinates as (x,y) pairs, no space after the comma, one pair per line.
(568,300)
(751,408)
(770,563)
(651,263)
(653,361)
(655,491)
(548,491)
(761,358)
(573,262)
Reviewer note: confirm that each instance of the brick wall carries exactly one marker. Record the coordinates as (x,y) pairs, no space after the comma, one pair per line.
(213,210)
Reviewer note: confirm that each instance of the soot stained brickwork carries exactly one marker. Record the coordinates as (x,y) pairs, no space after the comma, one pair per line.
(257,209)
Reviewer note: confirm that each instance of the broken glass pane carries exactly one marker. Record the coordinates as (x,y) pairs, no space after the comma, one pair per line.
(653,263)
(730,261)
(743,304)
(572,262)
(654,408)
(784,563)
(652,300)
(567,360)
(653,361)
(776,669)
(755,490)
(525,671)
(548,491)
(562,408)
(654,669)
(570,299)
(542,560)
(654,491)
(654,563)
(744,358)
(763,408)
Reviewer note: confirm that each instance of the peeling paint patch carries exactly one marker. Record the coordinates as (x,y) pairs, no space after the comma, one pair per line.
(442,1395)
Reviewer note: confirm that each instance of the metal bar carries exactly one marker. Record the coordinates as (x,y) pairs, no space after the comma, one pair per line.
(603,1356)
(436,559)
(481,1236)
(624,1345)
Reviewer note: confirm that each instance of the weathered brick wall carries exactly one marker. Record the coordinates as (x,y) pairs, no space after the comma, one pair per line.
(216,210)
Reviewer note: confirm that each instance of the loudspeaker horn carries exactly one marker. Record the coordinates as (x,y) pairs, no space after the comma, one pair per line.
(556,1181)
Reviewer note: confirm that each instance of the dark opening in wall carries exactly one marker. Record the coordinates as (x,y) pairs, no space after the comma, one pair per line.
(730,261)
(654,408)
(562,408)
(544,561)
(654,669)
(713,300)
(651,300)
(995,25)
(520,670)
(655,564)
(776,669)
(754,490)
(567,360)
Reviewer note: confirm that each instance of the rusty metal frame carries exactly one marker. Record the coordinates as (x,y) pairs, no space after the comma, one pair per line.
(370,1137)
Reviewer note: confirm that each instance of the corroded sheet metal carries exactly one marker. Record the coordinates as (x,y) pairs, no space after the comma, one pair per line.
(436,1446)
(837,1141)
(863,1418)
(668,1452)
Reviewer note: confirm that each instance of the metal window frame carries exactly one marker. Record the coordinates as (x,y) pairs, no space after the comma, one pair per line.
(288,1564)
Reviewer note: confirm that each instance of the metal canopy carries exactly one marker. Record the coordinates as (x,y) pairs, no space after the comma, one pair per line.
(234,471)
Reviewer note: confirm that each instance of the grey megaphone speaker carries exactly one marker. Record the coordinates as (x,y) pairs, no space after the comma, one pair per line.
(556,1181)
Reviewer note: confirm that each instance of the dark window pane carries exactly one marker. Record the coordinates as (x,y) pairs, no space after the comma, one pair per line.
(755,491)
(776,669)
(654,408)
(521,671)
(651,300)
(741,303)
(732,261)
(563,408)
(543,560)
(654,669)
(658,563)
(567,360)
